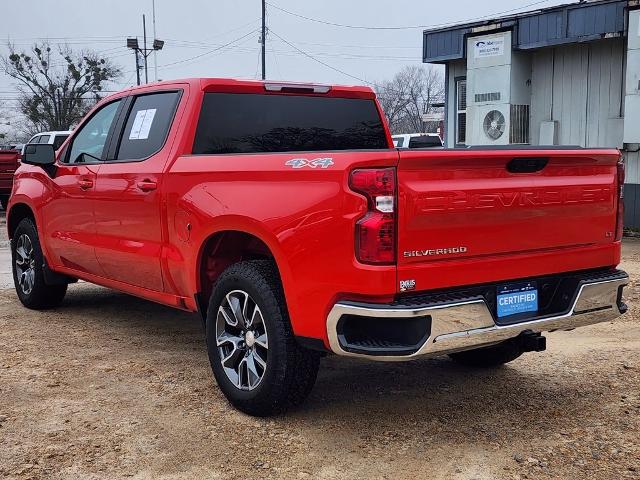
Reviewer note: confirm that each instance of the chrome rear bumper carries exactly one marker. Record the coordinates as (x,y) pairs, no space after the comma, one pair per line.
(464,325)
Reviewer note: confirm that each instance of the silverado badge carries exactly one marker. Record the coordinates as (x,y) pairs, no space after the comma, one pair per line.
(435,252)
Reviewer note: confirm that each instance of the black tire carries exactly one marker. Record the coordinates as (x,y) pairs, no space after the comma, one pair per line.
(40,296)
(291,369)
(4,201)
(488,357)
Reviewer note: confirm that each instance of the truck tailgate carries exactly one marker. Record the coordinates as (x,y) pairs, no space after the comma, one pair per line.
(8,166)
(474,216)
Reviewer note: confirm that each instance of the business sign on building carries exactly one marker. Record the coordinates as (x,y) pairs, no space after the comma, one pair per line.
(433,117)
(488,47)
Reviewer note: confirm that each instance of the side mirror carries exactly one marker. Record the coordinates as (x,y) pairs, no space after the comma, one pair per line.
(42,155)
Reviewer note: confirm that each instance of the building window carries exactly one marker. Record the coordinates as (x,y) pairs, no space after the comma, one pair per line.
(461,111)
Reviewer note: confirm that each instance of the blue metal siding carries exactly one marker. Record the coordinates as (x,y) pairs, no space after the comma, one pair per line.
(568,24)
(444,45)
(595,20)
(538,30)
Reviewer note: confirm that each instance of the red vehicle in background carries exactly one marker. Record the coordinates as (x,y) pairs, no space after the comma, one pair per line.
(9,162)
(283,214)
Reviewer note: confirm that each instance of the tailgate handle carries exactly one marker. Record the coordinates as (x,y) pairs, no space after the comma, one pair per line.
(527,164)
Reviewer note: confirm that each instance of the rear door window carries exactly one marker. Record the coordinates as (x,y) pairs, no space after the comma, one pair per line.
(255,123)
(147,125)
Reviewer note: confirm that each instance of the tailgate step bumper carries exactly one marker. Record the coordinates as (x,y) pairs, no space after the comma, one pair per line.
(430,325)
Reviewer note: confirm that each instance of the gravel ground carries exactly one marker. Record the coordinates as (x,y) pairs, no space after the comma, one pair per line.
(109,386)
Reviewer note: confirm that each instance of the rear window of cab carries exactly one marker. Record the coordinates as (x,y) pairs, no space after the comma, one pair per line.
(257,123)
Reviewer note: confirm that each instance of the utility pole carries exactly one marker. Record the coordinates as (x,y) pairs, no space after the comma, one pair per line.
(138,66)
(144,34)
(264,39)
(155,53)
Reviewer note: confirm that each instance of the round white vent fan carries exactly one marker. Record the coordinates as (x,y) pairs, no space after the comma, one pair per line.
(494,124)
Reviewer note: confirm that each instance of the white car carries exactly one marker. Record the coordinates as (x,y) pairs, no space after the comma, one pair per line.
(52,138)
(417,140)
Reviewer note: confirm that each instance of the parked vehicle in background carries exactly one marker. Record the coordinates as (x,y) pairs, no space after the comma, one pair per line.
(11,146)
(9,161)
(51,138)
(284,215)
(417,140)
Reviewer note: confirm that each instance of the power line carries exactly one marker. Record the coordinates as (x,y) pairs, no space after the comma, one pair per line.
(319,61)
(87,40)
(210,51)
(377,47)
(346,55)
(275,58)
(258,64)
(409,27)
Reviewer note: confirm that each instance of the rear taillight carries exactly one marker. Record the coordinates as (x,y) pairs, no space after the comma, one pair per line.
(620,217)
(376,231)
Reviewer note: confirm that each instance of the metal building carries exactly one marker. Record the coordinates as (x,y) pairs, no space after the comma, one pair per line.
(566,75)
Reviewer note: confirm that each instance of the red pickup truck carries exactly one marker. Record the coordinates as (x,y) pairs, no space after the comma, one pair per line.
(283,214)
(9,161)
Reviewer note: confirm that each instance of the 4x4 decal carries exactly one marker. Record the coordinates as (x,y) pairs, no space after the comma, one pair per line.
(303,162)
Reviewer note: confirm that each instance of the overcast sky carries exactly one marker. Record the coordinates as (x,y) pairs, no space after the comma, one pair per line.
(201,28)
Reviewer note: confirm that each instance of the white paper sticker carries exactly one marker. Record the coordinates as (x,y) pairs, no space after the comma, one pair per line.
(492,47)
(142,124)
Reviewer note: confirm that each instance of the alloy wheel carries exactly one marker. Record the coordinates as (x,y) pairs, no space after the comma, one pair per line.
(25,264)
(241,338)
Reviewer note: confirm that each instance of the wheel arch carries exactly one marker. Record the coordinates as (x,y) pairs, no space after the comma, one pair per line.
(16,214)
(222,248)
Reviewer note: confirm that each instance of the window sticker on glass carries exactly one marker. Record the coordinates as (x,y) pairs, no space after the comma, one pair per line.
(142,124)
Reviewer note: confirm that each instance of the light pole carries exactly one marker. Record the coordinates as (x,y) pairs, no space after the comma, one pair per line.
(133,44)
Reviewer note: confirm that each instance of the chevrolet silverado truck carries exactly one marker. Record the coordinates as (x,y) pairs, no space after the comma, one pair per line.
(9,161)
(282,213)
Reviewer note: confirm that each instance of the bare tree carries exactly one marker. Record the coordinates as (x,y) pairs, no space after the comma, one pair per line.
(412,92)
(57,89)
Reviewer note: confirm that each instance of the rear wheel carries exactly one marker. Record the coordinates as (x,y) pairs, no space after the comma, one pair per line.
(492,356)
(254,356)
(28,270)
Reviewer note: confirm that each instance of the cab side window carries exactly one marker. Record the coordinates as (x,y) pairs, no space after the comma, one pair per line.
(89,143)
(147,125)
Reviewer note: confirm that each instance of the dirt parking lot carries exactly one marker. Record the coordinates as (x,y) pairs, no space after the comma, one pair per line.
(109,386)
